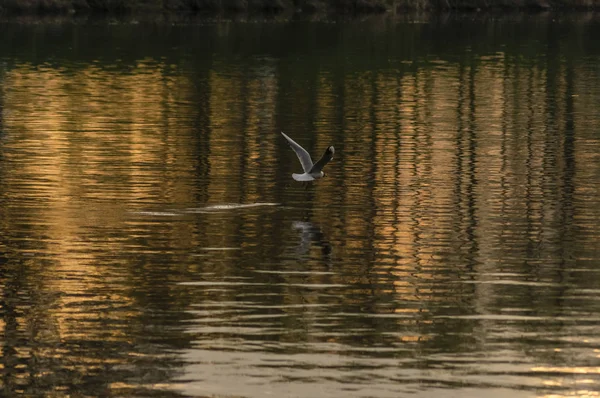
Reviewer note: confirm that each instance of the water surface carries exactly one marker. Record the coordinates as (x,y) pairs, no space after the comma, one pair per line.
(153,242)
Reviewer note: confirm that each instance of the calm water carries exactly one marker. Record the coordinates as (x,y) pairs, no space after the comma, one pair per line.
(153,243)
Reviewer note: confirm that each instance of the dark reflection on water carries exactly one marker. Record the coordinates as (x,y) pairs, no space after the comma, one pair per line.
(152,241)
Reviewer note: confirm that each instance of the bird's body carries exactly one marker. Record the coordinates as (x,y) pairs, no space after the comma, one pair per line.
(311,171)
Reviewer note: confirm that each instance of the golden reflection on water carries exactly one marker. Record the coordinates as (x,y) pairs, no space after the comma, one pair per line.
(478,172)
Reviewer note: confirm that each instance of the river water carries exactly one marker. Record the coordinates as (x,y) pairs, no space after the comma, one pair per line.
(153,242)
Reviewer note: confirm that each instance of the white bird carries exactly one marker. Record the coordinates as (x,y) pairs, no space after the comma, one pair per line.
(311,171)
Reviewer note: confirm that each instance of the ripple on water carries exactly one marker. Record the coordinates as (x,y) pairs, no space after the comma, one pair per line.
(151,233)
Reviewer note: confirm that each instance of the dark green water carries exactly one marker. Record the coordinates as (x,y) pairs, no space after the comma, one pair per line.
(153,242)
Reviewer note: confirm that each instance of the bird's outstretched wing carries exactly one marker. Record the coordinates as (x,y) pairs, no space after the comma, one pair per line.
(327,156)
(303,156)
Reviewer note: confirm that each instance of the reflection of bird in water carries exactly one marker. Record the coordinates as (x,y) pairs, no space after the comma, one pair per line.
(311,171)
(309,235)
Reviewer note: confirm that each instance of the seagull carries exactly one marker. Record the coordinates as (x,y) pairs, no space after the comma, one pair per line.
(311,171)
